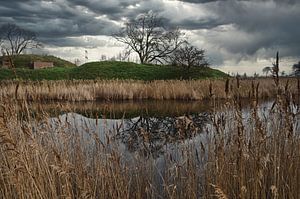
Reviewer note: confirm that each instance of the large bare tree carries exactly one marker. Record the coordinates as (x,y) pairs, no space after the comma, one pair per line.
(146,36)
(189,56)
(16,39)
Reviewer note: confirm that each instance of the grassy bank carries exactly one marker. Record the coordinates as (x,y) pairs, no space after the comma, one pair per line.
(253,157)
(24,61)
(92,90)
(112,70)
(56,73)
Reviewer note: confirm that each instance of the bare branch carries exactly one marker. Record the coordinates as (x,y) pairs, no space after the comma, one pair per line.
(147,37)
(188,56)
(15,39)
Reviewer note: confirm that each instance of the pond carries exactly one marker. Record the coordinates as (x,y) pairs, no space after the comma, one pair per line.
(147,128)
(167,142)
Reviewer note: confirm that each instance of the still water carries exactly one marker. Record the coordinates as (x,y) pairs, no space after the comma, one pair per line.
(149,128)
(159,136)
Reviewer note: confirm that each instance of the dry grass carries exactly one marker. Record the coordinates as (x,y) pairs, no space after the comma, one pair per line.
(138,90)
(257,155)
(254,155)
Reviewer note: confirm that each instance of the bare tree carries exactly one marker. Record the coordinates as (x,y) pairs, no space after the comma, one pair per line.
(1,47)
(150,134)
(267,70)
(1,41)
(189,56)
(103,58)
(296,69)
(16,39)
(146,36)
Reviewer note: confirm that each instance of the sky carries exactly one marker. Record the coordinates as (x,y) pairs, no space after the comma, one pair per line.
(238,36)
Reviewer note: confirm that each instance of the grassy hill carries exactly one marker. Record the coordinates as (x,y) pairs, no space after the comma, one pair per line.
(23,61)
(127,70)
(113,70)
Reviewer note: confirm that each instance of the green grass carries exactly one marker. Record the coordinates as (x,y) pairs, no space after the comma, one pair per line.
(125,70)
(113,70)
(56,73)
(23,61)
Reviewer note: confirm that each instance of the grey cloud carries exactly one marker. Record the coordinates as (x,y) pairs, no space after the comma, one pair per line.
(269,24)
(197,1)
(55,19)
(85,42)
(65,18)
(207,1)
(259,26)
(192,24)
(109,7)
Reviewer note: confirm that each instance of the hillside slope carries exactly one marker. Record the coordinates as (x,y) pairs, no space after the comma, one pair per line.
(112,70)
(128,70)
(23,61)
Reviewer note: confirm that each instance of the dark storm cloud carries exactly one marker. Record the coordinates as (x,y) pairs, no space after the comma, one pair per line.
(197,1)
(268,25)
(254,26)
(191,24)
(85,42)
(57,19)
(112,8)
(64,18)
(207,1)
(118,9)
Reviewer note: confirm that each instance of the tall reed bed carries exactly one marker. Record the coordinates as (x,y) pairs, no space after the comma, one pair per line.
(42,162)
(255,154)
(84,90)
(240,154)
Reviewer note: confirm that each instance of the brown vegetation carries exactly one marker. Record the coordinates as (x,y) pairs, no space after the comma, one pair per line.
(85,90)
(254,155)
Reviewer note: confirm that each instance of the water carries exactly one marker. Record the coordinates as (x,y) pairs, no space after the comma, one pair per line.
(159,136)
(146,128)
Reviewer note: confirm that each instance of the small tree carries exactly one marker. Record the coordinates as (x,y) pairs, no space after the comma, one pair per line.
(16,39)
(1,47)
(255,75)
(103,58)
(1,41)
(296,69)
(267,70)
(146,36)
(189,56)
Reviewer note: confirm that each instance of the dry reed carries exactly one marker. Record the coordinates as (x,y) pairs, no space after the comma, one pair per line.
(88,90)
(253,154)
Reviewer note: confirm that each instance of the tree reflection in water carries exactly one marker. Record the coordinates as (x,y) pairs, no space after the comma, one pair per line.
(149,135)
